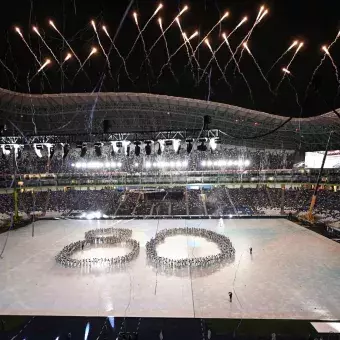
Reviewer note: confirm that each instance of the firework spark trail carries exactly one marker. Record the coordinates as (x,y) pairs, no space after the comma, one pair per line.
(167,53)
(287,67)
(187,45)
(206,36)
(326,50)
(282,55)
(294,89)
(172,55)
(220,46)
(68,56)
(143,42)
(93,51)
(47,62)
(192,51)
(120,56)
(188,53)
(160,37)
(258,66)
(320,64)
(35,29)
(65,41)
(101,46)
(262,13)
(209,82)
(218,65)
(210,61)
(296,52)
(143,29)
(246,38)
(17,29)
(238,68)
(6,67)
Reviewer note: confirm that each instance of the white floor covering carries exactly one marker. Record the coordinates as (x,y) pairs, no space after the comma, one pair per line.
(293,274)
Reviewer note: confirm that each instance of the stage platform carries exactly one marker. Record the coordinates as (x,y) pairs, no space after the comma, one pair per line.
(293,273)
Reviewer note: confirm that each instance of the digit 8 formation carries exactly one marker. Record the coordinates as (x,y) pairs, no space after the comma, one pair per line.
(100,237)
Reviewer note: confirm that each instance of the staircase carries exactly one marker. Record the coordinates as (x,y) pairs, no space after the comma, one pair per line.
(121,200)
(230,200)
(204,205)
(134,209)
(47,202)
(270,198)
(187,202)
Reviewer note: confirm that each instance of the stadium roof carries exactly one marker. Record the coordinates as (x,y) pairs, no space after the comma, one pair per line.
(132,112)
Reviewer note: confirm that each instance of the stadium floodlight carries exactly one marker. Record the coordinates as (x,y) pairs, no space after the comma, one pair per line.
(38,148)
(66,150)
(126,147)
(83,148)
(202,146)
(17,151)
(113,164)
(162,143)
(50,150)
(216,163)
(189,145)
(136,165)
(247,162)
(148,147)
(159,151)
(137,148)
(114,149)
(94,165)
(148,165)
(178,164)
(213,143)
(6,150)
(106,164)
(98,149)
(185,164)
(210,163)
(119,165)
(204,163)
(230,163)
(176,143)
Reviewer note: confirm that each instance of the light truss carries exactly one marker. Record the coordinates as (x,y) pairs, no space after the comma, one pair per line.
(110,137)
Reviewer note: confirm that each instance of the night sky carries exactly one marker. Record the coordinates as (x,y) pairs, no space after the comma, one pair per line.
(316,23)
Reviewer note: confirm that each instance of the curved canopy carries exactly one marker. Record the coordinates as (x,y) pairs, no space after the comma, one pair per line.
(134,112)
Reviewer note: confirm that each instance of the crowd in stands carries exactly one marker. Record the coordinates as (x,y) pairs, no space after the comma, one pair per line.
(176,201)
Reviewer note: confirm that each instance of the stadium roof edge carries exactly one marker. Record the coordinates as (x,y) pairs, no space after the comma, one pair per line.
(74,98)
(81,113)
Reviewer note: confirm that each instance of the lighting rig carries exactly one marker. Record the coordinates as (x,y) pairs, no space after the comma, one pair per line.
(121,143)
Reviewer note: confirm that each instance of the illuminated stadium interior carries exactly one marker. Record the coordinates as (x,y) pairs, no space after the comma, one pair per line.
(168,176)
